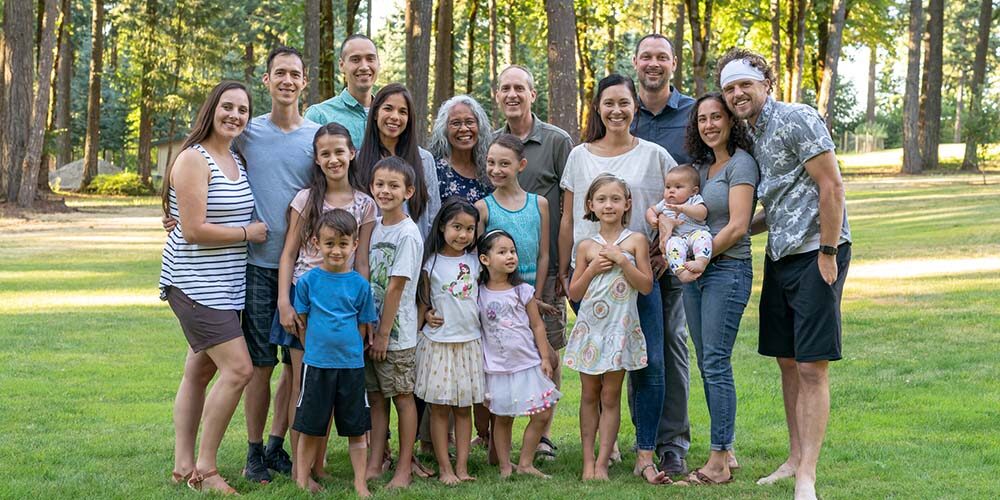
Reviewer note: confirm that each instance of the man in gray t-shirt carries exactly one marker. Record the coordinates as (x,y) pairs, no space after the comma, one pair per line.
(808,252)
(546,148)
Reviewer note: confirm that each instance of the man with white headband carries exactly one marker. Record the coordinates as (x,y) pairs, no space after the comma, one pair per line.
(662,118)
(807,256)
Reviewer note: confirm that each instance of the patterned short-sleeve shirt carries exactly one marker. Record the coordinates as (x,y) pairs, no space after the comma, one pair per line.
(454,184)
(786,136)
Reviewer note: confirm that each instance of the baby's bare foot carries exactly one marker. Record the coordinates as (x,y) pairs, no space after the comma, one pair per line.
(697,265)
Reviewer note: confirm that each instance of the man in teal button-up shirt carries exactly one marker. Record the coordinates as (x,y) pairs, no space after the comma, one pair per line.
(360,65)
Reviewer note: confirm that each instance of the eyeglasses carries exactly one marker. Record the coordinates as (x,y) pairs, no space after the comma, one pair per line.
(458,124)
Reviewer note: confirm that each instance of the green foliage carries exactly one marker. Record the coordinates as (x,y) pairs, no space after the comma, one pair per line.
(876,130)
(120,184)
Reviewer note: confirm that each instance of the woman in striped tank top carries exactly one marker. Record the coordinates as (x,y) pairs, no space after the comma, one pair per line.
(202,278)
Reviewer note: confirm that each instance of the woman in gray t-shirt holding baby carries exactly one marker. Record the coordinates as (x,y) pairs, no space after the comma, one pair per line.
(714,302)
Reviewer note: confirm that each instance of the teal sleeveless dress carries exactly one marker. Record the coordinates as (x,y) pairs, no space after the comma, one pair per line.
(524,225)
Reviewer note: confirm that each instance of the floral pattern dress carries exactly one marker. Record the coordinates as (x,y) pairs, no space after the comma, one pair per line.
(455,184)
(607,336)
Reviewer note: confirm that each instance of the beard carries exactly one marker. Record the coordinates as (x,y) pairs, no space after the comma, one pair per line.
(655,85)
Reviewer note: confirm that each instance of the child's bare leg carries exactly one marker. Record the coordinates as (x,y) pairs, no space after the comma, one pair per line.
(533,434)
(319,465)
(406,413)
(590,396)
(378,435)
(198,372)
(293,400)
(359,459)
(439,436)
(282,394)
(556,365)
(306,454)
(610,420)
(502,428)
(463,441)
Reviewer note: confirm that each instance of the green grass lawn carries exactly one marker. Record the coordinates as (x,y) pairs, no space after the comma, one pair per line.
(91,360)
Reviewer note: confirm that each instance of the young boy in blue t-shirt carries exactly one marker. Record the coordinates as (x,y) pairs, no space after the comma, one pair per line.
(336,305)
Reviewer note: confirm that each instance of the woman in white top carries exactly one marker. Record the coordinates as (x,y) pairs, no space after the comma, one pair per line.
(609,147)
(203,279)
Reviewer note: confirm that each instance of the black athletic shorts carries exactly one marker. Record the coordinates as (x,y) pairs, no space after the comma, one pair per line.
(337,390)
(799,311)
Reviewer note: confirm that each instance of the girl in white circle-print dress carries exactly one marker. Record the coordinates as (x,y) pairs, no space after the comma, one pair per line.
(612,267)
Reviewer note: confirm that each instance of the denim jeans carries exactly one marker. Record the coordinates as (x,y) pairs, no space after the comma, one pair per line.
(674,433)
(714,305)
(645,397)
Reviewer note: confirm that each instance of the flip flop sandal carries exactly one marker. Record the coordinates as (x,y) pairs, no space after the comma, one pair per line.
(642,473)
(698,478)
(197,479)
(178,478)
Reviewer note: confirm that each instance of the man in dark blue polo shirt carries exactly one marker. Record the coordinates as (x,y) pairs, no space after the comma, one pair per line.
(662,118)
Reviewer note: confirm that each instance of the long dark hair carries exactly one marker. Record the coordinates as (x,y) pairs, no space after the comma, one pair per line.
(201,129)
(485,244)
(595,127)
(372,150)
(701,154)
(313,209)
(450,209)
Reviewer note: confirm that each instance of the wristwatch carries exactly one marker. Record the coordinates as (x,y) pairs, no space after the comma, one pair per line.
(828,250)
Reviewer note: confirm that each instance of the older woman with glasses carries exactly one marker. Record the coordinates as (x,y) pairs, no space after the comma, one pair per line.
(459,141)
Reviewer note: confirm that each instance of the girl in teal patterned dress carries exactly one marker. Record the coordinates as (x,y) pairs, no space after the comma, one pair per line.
(611,268)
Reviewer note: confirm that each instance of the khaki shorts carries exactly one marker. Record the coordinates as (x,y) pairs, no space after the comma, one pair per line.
(555,326)
(394,376)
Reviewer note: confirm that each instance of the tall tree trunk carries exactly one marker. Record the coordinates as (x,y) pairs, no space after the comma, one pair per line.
(18,29)
(912,163)
(585,73)
(609,57)
(312,29)
(701,38)
(93,143)
(418,54)
(959,108)
(972,137)
(775,11)
(800,48)
(471,46)
(654,24)
(789,52)
(512,31)
(828,89)
(64,78)
(562,63)
(930,98)
(40,113)
(679,46)
(327,52)
(493,44)
(368,19)
(146,93)
(444,54)
(872,79)
(249,61)
(352,14)
(3,111)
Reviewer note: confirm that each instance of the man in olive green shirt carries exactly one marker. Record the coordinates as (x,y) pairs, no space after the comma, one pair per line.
(546,148)
(360,65)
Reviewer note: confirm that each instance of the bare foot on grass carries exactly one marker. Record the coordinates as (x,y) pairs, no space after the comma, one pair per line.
(784,471)
(400,480)
(311,486)
(362,489)
(449,478)
(532,471)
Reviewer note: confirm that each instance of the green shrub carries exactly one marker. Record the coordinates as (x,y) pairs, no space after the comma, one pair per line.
(120,184)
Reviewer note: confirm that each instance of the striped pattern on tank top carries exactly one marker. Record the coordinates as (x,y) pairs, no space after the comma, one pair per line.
(213,276)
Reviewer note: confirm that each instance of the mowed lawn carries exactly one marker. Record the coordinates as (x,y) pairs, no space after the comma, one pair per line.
(91,360)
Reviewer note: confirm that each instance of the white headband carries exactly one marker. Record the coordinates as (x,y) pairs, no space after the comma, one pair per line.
(738,69)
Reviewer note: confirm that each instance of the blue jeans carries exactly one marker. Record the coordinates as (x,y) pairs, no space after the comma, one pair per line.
(646,398)
(714,305)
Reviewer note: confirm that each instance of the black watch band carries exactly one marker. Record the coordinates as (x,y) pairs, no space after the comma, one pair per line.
(828,250)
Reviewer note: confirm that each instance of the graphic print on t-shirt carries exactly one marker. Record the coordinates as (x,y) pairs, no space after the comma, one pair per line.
(382,256)
(462,287)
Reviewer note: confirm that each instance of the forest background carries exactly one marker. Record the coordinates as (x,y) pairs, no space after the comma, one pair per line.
(117,79)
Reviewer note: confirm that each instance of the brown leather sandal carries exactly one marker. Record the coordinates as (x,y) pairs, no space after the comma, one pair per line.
(178,478)
(195,482)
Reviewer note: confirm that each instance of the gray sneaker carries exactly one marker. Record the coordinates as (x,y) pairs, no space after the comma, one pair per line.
(255,470)
(672,463)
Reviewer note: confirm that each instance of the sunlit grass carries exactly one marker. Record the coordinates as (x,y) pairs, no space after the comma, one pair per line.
(92,359)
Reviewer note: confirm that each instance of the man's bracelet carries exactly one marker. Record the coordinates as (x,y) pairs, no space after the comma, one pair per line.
(244,232)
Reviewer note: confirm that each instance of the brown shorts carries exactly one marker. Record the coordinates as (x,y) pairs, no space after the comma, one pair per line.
(555,326)
(203,327)
(394,376)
